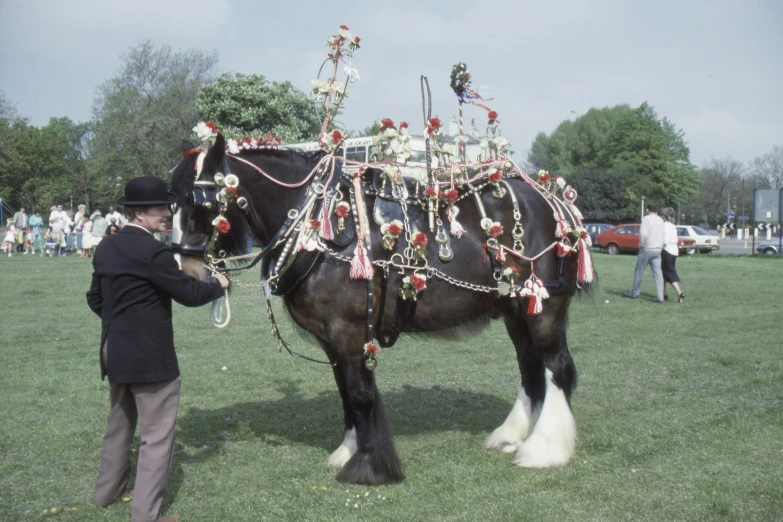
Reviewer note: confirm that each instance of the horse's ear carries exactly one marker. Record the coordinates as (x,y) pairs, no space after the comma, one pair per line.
(187,146)
(217,153)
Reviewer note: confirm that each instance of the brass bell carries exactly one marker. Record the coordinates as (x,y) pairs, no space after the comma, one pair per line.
(242,202)
(220,179)
(508,165)
(370,363)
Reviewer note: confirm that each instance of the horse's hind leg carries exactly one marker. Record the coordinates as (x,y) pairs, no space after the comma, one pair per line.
(552,440)
(510,435)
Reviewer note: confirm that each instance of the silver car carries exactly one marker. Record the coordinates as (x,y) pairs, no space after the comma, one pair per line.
(768,247)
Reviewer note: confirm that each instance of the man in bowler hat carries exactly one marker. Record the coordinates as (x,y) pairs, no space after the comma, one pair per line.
(135,278)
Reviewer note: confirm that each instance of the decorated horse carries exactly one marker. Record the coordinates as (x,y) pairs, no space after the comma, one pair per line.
(362,252)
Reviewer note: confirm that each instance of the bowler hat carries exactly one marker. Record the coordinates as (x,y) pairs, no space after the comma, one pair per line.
(147,190)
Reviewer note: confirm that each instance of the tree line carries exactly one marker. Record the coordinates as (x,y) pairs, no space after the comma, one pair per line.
(613,156)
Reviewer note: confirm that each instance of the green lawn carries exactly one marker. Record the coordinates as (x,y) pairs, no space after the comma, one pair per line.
(679,409)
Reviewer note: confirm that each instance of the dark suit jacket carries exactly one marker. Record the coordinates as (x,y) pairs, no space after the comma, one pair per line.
(134,280)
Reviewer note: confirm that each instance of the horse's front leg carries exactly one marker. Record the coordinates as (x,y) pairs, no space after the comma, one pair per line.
(368,443)
(346,450)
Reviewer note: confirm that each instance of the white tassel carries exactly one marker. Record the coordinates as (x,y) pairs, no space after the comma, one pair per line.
(456,229)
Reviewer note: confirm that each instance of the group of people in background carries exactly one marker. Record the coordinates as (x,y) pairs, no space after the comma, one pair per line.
(61,232)
(657,248)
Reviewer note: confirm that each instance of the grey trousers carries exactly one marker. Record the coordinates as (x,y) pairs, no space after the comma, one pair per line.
(154,406)
(652,257)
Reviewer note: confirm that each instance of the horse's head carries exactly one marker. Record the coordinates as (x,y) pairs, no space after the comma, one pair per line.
(197,181)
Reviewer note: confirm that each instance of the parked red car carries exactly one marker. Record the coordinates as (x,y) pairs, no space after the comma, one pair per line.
(625,238)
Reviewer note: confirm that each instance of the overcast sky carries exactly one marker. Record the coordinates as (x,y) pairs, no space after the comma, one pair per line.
(711,67)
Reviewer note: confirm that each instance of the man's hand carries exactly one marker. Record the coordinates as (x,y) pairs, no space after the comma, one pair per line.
(221,279)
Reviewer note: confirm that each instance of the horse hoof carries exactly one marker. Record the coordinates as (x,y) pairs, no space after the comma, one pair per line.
(537,452)
(339,458)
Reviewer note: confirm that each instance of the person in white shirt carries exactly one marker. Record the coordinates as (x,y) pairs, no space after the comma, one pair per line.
(57,223)
(119,218)
(669,254)
(650,247)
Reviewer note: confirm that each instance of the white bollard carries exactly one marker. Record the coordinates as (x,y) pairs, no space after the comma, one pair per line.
(769,234)
(739,233)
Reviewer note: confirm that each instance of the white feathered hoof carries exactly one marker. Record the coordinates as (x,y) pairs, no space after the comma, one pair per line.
(508,437)
(553,440)
(502,439)
(343,454)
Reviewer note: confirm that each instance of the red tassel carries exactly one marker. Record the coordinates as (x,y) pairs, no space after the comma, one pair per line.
(500,255)
(326,223)
(585,270)
(532,304)
(361,267)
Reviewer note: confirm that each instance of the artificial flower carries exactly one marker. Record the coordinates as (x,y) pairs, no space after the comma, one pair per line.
(387,123)
(420,240)
(342,209)
(493,117)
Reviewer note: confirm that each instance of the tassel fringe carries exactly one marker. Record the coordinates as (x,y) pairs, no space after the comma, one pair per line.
(361,267)
(585,270)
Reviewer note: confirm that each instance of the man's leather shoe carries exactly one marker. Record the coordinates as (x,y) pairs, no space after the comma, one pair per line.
(628,293)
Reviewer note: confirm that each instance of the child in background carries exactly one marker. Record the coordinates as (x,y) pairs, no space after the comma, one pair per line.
(9,241)
(112,228)
(28,244)
(51,242)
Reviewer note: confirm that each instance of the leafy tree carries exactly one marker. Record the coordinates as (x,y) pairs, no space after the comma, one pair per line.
(40,165)
(142,114)
(601,196)
(249,105)
(648,154)
(769,167)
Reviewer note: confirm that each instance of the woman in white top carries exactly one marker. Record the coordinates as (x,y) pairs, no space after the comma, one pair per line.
(669,254)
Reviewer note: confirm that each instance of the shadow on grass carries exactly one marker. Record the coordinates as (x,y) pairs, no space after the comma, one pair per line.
(318,421)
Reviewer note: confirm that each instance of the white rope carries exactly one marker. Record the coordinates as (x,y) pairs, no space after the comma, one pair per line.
(216,314)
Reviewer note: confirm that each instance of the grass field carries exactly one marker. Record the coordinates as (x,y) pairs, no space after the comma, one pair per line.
(679,409)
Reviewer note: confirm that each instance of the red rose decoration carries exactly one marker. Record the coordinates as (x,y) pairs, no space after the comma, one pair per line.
(543,178)
(420,239)
(493,117)
(441,194)
(246,140)
(583,233)
(387,123)
(433,125)
(356,41)
(337,136)
(233,191)
(344,27)
(394,229)
(341,211)
(315,223)
(403,125)
(495,231)
(211,125)
(453,194)
(419,283)
(223,226)
(430,192)
(494,177)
